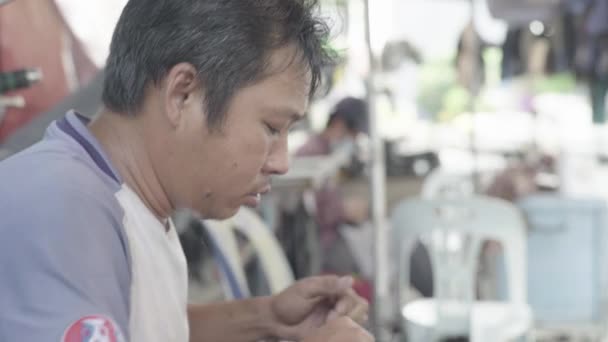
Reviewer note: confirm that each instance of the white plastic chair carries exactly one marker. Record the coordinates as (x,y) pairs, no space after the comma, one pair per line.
(265,246)
(443,184)
(455,183)
(269,251)
(228,259)
(453,231)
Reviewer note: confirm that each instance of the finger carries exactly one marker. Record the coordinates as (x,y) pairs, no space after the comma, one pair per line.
(364,335)
(359,313)
(333,315)
(345,322)
(358,330)
(353,306)
(347,302)
(367,336)
(324,286)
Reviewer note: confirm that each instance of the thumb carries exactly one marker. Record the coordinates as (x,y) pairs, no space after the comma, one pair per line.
(325,286)
(345,283)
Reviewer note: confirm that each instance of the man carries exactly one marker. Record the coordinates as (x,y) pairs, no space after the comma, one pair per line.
(199,96)
(348,119)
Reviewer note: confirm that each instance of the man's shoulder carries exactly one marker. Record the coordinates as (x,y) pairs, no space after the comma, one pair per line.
(50,181)
(63,247)
(51,166)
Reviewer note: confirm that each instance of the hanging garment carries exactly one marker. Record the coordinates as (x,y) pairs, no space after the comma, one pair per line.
(519,13)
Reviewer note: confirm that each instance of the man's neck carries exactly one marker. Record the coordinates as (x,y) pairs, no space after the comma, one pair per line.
(121,139)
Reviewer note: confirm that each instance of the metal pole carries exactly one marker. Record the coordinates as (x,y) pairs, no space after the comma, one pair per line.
(378,195)
(471,37)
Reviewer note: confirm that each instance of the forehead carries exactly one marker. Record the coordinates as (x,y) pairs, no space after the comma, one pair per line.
(286,87)
(287,70)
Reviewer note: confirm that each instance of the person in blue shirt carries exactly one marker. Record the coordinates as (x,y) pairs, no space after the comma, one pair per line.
(199,96)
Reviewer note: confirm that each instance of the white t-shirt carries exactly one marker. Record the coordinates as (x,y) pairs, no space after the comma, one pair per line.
(81,257)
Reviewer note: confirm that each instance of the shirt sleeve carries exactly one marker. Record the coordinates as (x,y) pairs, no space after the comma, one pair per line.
(64,267)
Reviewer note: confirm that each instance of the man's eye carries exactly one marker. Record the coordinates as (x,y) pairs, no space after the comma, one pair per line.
(272,130)
(293,127)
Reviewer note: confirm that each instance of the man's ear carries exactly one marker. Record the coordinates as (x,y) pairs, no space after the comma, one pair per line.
(180,86)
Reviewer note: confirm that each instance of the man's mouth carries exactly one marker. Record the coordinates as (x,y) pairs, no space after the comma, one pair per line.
(254,198)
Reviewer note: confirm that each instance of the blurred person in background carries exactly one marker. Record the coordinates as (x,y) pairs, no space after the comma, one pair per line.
(335,211)
(345,229)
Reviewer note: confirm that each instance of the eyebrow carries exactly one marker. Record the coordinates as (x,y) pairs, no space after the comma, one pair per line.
(294,116)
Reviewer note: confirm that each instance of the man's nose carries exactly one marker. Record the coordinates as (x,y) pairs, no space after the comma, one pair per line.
(278,159)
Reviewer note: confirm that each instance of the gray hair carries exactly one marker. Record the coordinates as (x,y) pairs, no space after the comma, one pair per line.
(228,41)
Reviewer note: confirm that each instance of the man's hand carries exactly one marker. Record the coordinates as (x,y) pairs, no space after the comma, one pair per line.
(303,308)
(342,329)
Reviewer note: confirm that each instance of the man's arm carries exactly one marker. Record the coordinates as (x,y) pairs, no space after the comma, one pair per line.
(238,321)
(297,314)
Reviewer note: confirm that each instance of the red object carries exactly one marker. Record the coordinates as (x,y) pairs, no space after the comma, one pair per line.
(33,34)
(93,328)
(364,288)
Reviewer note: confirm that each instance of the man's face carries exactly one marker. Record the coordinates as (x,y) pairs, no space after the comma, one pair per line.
(215,171)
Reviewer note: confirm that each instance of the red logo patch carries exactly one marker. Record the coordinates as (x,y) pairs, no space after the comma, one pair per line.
(93,329)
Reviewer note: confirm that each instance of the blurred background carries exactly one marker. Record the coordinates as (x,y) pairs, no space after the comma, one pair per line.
(455,162)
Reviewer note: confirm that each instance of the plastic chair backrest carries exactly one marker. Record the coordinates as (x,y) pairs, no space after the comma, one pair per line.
(227,256)
(265,245)
(269,252)
(443,184)
(444,222)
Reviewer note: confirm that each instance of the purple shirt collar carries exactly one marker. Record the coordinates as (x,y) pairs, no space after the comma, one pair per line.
(75,125)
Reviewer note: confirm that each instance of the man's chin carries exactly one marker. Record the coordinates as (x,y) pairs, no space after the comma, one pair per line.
(224,214)
(217,214)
